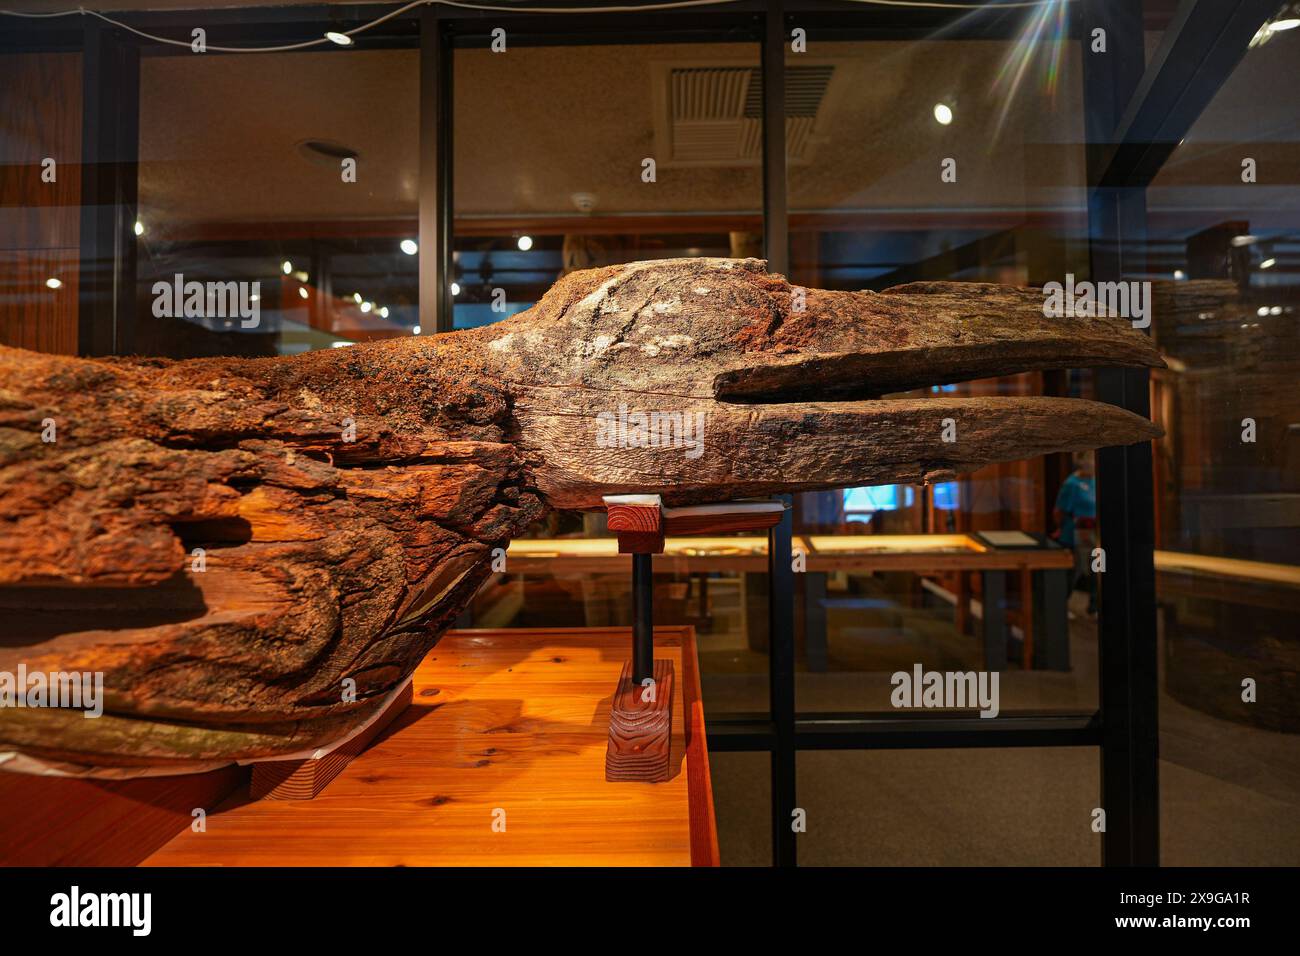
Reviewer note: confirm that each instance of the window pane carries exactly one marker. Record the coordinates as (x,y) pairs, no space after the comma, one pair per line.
(957,159)
(303,201)
(1225,255)
(980,807)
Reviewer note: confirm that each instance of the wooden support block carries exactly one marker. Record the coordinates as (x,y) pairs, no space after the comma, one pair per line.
(638,522)
(725,518)
(641,731)
(305,779)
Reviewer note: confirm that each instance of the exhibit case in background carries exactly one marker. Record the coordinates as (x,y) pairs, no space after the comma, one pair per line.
(907,144)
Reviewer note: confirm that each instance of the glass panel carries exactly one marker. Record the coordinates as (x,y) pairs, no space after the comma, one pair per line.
(308,202)
(551,176)
(961,159)
(742,796)
(1224,254)
(981,807)
(40,195)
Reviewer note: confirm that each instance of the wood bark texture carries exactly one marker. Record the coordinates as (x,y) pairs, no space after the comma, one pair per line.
(255,551)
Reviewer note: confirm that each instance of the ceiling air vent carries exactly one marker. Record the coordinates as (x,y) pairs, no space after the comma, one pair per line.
(715,113)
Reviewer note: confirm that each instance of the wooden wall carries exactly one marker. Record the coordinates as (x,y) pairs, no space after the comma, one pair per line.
(40,117)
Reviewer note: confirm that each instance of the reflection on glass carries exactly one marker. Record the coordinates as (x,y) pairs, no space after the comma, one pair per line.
(1224,254)
(576,157)
(306,204)
(948,159)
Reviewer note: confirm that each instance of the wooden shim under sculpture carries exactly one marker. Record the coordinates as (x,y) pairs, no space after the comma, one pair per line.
(641,728)
(231,542)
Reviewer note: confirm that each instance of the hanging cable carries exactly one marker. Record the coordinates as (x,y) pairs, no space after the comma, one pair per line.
(494,8)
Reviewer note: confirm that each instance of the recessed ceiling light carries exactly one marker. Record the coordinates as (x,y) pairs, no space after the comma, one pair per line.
(342,39)
(367,306)
(54,283)
(139,228)
(1268,263)
(942,113)
(455,288)
(302,293)
(286,267)
(384,312)
(525,243)
(415,330)
(1180,274)
(1243,240)
(409,246)
(356,297)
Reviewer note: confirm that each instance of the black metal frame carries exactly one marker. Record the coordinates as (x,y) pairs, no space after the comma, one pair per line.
(1134,118)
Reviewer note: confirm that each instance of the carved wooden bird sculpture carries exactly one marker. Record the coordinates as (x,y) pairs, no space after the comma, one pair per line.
(230,540)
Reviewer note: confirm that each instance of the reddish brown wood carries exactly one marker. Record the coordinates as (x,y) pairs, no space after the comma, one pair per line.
(704,831)
(62,821)
(255,552)
(639,527)
(501,719)
(305,779)
(641,729)
(705,520)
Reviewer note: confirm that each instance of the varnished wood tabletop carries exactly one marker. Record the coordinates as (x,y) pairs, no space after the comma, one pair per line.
(507,727)
(740,553)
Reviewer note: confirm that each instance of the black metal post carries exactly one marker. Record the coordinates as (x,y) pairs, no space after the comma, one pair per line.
(643,618)
(110,143)
(1125,507)
(436,197)
(776,218)
(781,686)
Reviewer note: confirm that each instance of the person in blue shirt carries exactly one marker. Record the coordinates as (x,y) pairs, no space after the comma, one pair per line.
(1076,516)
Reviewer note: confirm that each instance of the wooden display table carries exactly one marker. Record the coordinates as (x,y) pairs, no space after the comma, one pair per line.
(1044,572)
(499,761)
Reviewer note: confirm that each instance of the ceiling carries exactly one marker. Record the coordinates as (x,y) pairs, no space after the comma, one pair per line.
(220,136)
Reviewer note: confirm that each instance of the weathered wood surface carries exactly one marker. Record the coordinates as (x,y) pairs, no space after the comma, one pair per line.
(346,502)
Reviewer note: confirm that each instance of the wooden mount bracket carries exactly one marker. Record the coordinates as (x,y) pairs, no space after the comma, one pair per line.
(638,522)
(641,730)
(305,779)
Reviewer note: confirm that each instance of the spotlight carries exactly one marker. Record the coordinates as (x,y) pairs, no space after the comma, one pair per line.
(54,283)
(942,113)
(286,267)
(409,246)
(302,293)
(525,243)
(455,288)
(139,228)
